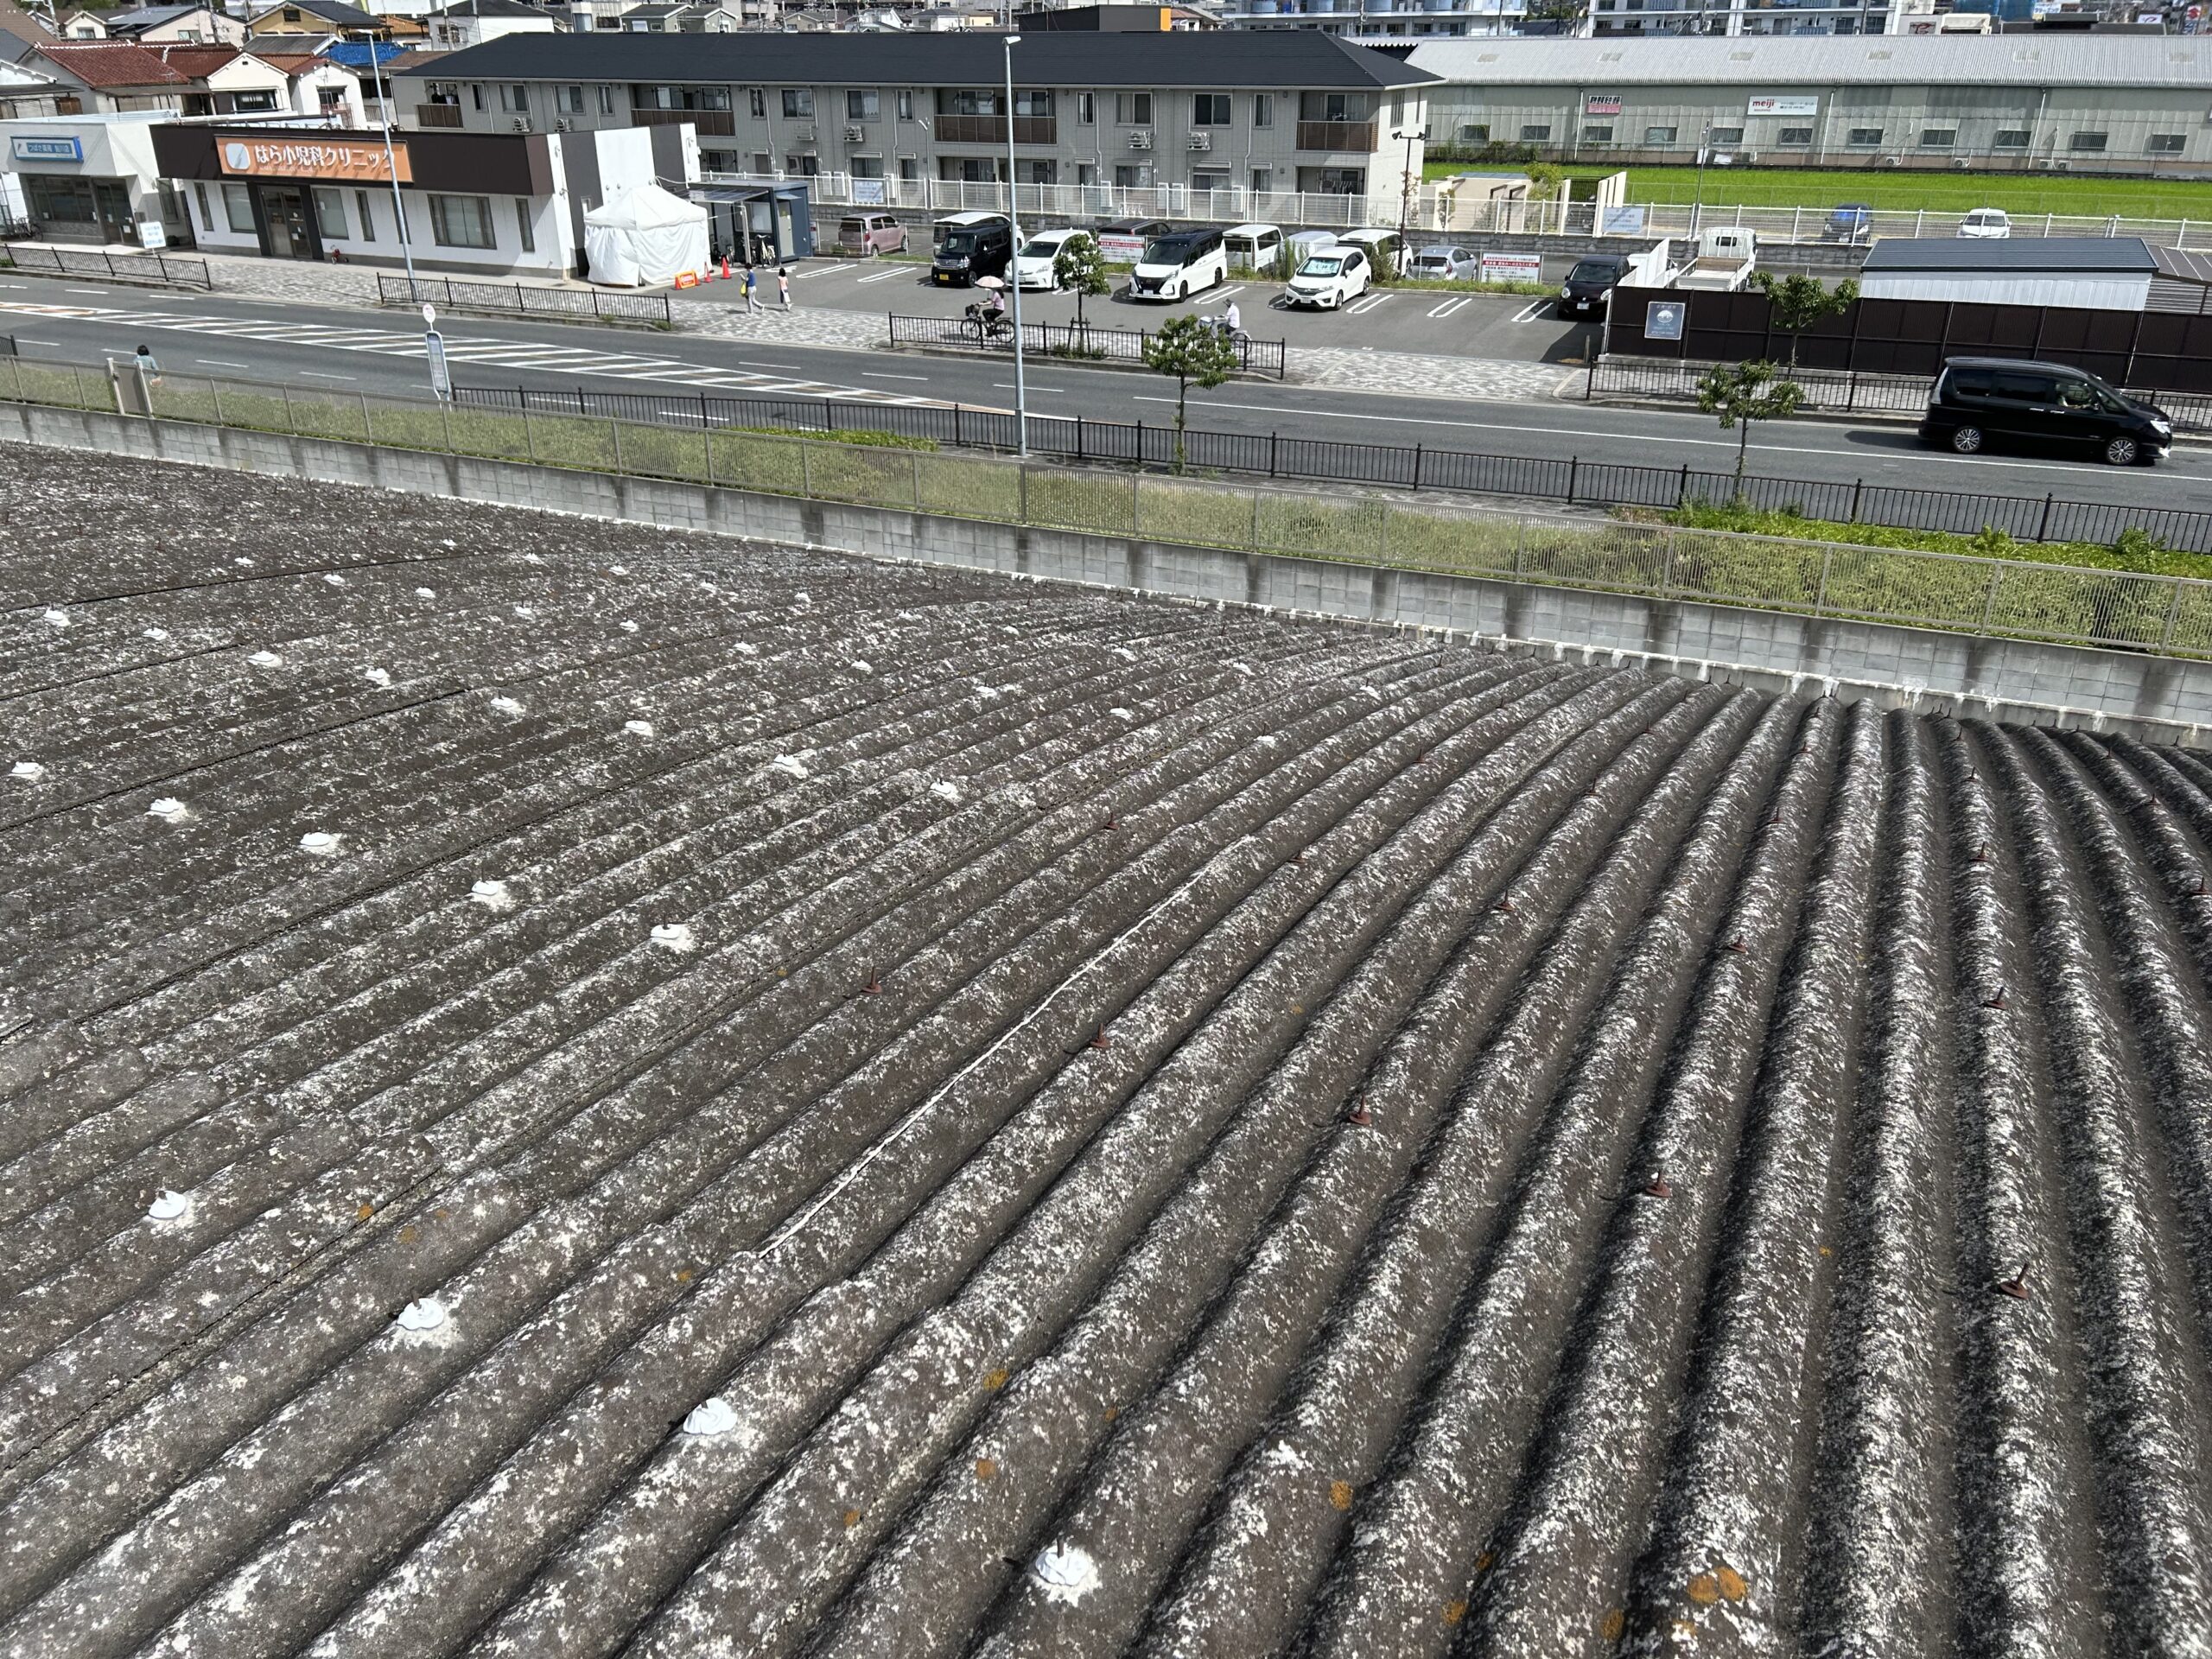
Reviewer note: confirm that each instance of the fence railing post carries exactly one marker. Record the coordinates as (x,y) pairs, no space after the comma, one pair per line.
(1989,599)
(805,470)
(1857,485)
(291,426)
(616,427)
(529,439)
(2043,525)
(1821,587)
(2173,617)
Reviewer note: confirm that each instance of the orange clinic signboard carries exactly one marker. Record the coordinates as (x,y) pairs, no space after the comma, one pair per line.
(312,158)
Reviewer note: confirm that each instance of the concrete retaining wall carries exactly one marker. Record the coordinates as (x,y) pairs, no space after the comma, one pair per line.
(2161,699)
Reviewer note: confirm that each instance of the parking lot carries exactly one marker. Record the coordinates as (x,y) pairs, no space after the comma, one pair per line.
(1453,323)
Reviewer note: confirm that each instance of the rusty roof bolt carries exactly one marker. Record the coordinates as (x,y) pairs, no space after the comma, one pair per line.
(1359,1117)
(1736,947)
(1997,1001)
(1981,853)
(2017,1286)
(1506,904)
(1656,1187)
(1099,1039)
(874,986)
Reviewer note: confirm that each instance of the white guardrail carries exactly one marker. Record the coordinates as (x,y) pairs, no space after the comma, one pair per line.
(1443,211)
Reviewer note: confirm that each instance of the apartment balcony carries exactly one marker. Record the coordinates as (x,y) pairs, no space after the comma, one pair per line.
(437,115)
(991,130)
(1357,137)
(711,124)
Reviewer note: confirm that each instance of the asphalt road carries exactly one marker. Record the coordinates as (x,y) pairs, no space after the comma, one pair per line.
(372,351)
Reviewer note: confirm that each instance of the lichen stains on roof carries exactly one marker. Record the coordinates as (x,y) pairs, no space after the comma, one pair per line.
(1123,1129)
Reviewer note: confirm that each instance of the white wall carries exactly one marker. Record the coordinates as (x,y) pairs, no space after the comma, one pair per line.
(549,219)
(307,96)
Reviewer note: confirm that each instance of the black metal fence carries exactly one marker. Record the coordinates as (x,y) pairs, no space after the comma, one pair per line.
(169,270)
(1269,455)
(521,299)
(1082,342)
(1847,391)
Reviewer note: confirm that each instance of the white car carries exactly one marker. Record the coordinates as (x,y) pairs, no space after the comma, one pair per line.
(1986,224)
(1331,277)
(1032,267)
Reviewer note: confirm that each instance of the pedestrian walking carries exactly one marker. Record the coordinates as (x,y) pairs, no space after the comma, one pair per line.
(148,370)
(784,286)
(752,290)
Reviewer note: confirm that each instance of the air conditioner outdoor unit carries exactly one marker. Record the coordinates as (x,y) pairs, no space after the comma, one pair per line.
(853,134)
(522,124)
(1140,139)
(1961,164)
(2050,164)
(564,124)
(1201,141)
(1890,161)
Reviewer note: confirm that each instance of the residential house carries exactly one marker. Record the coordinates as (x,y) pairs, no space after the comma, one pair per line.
(1259,112)
(28,89)
(180,25)
(81,26)
(373,77)
(269,81)
(110,75)
(315,19)
(471,23)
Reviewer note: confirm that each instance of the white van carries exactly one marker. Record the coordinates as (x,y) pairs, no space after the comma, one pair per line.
(1033,266)
(1331,277)
(1178,264)
(1255,248)
(1386,253)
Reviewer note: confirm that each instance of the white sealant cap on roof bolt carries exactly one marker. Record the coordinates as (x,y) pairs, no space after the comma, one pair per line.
(947,791)
(168,1206)
(618,569)
(528,613)
(378,677)
(713,1415)
(531,558)
(744,650)
(27,772)
(243,562)
(167,808)
(862,665)
(449,543)
(157,634)
(426,592)
(334,578)
(673,936)
(55,618)
(802,597)
(266,659)
(791,765)
(490,892)
(629,626)
(1125,653)
(638,727)
(1122,713)
(506,705)
(709,586)
(319,844)
(427,1314)
(1066,1573)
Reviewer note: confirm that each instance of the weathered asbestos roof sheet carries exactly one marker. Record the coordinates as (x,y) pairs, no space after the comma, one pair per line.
(815,1109)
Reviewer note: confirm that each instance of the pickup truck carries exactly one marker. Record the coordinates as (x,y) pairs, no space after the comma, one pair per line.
(1722,260)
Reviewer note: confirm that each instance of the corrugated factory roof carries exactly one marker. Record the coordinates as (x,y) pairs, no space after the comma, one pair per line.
(569,1089)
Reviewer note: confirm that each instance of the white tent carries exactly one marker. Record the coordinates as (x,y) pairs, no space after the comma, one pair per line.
(644,237)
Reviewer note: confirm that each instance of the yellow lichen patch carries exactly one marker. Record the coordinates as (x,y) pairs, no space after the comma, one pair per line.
(1685,1629)
(1825,1250)
(1340,1494)
(851,1517)
(1454,1611)
(1112,1412)
(1298,1008)
(443,1214)
(1705,1589)
(407,1234)
(365,1210)
(1732,1588)
(1482,1561)
(995,1379)
(683,1276)
(783,972)
(986,1468)
(1611,1626)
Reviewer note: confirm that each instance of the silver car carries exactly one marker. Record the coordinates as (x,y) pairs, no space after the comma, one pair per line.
(1446,266)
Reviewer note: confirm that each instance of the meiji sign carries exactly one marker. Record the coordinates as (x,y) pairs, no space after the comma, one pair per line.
(1602,103)
(1783,106)
(46,149)
(311,158)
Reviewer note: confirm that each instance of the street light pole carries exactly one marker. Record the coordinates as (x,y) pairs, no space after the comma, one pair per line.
(391,166)
(1405,189)
(1704,148)
(1013,265)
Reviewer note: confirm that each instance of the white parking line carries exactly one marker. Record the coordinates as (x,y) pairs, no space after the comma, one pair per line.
(1224,293)
(1360,308)
(819,271)
(1449,306)
(880,277)
(780,368)
(1531,312)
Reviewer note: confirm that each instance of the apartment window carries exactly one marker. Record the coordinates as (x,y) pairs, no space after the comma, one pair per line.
(867,167)
(1477,133)
(906,106)
(476,95)
(860,106)
(2167,143)
(805,166)
(1133,109)
(1725,135)
(461,222)
(1086,172)
(1795,137)
(1333,106)
(1866,137)
(1263,109)
(1086,108)
(1210,110)
(1659,135)
(238,209)
(256,103)
(1130,178)
(756,101)
(1938,138)
(607,100)
(514,97)
(1033,103)
(367,219)
(2088,141)
(524,228)
(1597,135)
(910,168)
(330,213)
(967,100)
(2009,138)
(718,160)
(206,214)
(798,103)
(570,100)
(1537,134)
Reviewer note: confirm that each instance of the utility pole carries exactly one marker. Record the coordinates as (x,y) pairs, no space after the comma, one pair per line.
(1013,265)
(1704,148)
(391,165)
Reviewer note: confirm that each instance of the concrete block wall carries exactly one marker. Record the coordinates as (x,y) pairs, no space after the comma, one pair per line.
(2161,699)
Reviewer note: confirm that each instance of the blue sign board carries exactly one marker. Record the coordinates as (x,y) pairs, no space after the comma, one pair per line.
(48,149)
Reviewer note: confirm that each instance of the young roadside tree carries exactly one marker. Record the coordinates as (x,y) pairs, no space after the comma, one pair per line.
(1796,302)
(1080,268)
(1196,353)
(1741,393)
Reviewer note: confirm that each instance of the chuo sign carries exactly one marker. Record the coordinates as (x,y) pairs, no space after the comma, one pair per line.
(46,149)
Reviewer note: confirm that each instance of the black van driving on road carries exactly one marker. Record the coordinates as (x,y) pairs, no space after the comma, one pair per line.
(2000,402)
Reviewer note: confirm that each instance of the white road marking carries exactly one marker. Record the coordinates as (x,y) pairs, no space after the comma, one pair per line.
(102,292)
(1532,312)
(870,374)
(880,277)
(311,375)
(783,368)
(1365,304)
(221,363)
(1450,306)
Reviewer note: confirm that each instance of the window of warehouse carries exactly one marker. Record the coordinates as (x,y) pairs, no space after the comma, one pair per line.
(1660,135)
(1795,137)
(1727,135)
(1535,135)
(461,222)
(2086,141)
(1938,138)
(2168,144)
(1597,135)
(1867,137)
(2009,138)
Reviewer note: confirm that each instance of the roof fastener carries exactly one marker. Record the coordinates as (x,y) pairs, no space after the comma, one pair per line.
(1656,1187)
(426,1314)
(711,1416)
(874,986)
(1996,1000)
(2017,1286)
(1359,1117)
(168,1206)
(1099,1039)
(1736,947)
